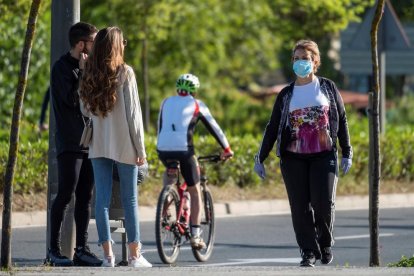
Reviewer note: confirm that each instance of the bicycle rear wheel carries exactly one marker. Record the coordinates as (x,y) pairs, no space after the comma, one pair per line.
(166,234)
(207,227)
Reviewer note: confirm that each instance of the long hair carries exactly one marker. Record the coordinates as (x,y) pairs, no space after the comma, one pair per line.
(100,79)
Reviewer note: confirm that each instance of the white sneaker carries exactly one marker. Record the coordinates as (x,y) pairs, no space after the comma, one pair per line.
(140,262)
(197,243)
(109,261)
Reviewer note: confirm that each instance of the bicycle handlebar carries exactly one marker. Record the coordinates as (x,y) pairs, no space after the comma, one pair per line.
(215,158)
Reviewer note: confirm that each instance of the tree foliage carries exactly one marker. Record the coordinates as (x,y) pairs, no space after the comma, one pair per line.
(404,10)
(228,44)
(320,21)
(13,20)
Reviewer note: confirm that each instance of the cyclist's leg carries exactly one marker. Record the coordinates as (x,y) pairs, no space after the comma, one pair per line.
(195,193)
(168,178)
(191,174)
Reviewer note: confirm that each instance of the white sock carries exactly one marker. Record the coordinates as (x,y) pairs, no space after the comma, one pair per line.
(195,231)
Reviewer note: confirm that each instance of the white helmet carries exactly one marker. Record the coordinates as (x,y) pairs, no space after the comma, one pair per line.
(188,83)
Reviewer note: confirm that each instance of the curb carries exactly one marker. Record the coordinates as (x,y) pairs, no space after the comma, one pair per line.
(241,208)
(217,270)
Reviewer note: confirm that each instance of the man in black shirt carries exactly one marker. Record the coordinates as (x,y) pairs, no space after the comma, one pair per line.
(75,174)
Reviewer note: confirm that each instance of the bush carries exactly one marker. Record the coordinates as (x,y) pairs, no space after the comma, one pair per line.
(396,163)
(402,111)
(404,262)
(31,168)
(396,148)
(237,171)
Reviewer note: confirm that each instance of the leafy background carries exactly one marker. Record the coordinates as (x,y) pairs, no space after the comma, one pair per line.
(235,47)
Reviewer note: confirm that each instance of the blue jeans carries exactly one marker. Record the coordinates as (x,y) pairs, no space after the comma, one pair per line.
(102,169)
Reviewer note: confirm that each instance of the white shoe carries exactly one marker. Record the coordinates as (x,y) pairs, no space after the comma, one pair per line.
(140,262)
(108,261)
(197,243)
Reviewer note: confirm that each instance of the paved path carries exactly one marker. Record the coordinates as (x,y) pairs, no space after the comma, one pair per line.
(235,270)
(243,208)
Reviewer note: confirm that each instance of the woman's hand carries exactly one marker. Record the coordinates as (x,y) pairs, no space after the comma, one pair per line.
(140,161)
(259,168)
(346,165)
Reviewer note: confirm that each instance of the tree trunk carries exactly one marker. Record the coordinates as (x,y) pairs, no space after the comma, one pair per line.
(375,167)
(14,137)
(144,66)
(144,63)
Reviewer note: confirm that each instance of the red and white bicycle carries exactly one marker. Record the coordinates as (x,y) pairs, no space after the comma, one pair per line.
(172,224)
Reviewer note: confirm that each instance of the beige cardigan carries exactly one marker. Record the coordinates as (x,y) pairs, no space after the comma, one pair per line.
(120,135)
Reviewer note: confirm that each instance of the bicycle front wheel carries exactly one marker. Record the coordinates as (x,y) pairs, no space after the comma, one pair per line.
(207,227)
(166,234)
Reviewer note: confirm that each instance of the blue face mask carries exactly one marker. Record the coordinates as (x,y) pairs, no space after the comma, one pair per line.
(302,68)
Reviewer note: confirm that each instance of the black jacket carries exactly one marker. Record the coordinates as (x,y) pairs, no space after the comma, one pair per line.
(277,128)
(65,101)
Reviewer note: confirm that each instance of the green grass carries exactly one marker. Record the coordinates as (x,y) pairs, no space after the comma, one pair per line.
(404,262)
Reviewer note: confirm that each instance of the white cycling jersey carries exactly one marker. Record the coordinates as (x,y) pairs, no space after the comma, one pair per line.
(176,122)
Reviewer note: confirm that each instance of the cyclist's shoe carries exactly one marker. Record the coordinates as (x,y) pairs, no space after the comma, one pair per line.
(108,261)
(138,262)
(308,258)
(327,256)
(55,258)
(84,257)
(197,243)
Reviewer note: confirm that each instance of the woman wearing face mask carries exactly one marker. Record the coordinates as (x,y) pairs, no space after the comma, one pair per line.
(307,121)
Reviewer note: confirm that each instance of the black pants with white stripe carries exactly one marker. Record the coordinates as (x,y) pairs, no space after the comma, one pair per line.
(310,181)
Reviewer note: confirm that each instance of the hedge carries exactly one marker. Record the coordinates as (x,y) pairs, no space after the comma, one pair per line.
(397,149)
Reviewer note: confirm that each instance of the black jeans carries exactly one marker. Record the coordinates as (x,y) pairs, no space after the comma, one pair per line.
(311,181)
(75,175)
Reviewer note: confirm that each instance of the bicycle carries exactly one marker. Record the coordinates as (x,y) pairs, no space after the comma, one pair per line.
(172,224)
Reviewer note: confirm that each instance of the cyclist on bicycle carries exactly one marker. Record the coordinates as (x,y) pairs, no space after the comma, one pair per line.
(177,119)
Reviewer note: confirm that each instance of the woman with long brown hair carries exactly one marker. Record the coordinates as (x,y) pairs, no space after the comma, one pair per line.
(109,95)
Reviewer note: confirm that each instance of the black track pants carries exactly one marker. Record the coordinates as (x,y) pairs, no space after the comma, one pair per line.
(310,181)
(75,175)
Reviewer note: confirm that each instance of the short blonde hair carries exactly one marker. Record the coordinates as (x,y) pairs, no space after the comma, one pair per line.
(311,46)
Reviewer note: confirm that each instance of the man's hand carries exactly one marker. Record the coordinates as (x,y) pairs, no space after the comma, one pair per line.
(140,161)
(82,60)
(226,154)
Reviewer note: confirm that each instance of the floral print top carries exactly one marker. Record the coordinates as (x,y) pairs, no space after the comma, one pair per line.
(309,120)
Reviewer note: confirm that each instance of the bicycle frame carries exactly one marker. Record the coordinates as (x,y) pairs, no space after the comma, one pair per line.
(183,215)
(181,226)
(173,214)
